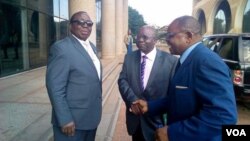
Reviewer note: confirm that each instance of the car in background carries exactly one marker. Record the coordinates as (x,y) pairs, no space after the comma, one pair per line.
(234,49)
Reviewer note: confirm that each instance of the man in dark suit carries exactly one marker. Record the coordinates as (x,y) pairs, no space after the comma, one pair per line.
(158,69)
(74,83)
(200,97)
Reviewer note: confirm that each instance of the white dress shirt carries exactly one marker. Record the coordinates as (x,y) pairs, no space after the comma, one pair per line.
(149,65)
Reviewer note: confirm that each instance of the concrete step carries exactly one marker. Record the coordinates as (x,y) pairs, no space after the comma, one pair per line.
(111,107)
(25,107)
(20,78)
(110,115)
(109,65)
(37,130)
(19,86)
(109,82)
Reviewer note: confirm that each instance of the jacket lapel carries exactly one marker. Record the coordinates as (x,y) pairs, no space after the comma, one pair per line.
(156,65)
(95,51)
(136,65)
(82,51)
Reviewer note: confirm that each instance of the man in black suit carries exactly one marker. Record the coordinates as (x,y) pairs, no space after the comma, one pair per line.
(146,79)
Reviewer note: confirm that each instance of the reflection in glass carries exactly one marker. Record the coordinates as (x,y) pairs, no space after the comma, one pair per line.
(64,9)
(246,49)
(246,18)
(56,8)
(63,28)
(26,33)
(220,22)
(202,21)
(10,40)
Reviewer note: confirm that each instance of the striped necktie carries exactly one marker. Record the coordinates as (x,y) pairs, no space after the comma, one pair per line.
(143,65)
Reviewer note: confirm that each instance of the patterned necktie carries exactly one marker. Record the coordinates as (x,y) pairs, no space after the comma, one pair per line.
(143,64)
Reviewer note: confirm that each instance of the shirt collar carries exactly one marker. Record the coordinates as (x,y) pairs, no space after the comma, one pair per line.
(187,52)
(81,41)
(151,55)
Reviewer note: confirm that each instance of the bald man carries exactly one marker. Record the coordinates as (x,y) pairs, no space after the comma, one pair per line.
(74,83)
(201,97)
(157,69)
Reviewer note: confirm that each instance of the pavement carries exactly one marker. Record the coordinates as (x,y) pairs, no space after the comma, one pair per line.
(25,109)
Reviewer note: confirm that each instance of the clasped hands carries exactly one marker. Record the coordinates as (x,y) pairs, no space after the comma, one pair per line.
(139,107)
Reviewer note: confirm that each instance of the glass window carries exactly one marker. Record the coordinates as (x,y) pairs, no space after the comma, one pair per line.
(246,18)
(11,49)
(212,43)
(226,49)
(45,6)
(64,10)
(57,27)
(26,34)
(63,28)
(220,22)
(202,21)
(16,2)
(42,34)
(246,48)
(56,8)
(222,19)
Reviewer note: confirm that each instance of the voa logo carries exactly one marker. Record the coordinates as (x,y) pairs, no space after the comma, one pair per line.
(236,132)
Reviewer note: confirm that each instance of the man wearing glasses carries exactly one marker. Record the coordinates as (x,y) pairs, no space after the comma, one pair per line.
(145,75)
(201,97)
(74,83)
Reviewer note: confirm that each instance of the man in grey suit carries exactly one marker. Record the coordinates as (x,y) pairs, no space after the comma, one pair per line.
(146,80)
(74,83)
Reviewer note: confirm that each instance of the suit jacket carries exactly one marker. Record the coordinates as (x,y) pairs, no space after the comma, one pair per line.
(74,89)
(200,98)
(157,86)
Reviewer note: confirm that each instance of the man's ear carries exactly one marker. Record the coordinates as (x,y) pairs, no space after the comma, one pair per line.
(189,37)
(189,34)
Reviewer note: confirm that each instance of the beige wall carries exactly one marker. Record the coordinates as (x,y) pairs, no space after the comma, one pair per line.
(209,7)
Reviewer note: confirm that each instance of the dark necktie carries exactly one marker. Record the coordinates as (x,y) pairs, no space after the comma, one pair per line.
(143,64)
(178,65)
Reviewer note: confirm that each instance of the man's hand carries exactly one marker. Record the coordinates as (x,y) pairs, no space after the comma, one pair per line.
(69,129)
(142,105)
(135,109)
(161,134)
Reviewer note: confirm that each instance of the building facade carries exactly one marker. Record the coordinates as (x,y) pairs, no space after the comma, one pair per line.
(29,27)
(223,16)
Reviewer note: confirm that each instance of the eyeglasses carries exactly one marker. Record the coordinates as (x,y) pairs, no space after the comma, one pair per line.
(170,35)
(82,23)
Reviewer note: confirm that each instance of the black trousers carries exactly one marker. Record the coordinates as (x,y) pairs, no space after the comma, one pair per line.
(138,135)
